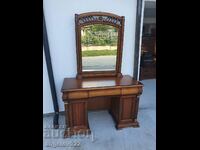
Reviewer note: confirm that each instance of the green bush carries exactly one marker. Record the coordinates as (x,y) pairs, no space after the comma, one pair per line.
(91,38)
(92,53)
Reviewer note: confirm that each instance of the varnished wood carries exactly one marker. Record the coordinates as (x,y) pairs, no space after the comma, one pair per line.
(93,87)
(93,90)
(91,18)
(103,92)
(130,90)
(73,84)
(121,92)
(99,103)
(77,121)
(124,111)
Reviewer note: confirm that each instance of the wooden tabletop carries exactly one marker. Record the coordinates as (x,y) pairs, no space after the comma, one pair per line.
(71,84)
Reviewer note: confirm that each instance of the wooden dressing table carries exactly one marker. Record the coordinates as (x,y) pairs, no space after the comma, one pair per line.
(123,91)
(99,44)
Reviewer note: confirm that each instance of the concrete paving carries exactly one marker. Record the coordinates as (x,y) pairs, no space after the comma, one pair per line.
(99,63)
(104,135)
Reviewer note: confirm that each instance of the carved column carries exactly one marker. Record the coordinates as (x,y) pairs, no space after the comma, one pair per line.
(77,118)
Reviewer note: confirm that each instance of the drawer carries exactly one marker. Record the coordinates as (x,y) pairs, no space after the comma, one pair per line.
(132,90)
(78,95)
(104,92)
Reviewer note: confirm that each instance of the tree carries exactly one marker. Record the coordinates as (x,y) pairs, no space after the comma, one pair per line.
(99,35)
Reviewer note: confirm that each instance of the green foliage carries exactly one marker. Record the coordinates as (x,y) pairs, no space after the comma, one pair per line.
(92,53)
(99,35)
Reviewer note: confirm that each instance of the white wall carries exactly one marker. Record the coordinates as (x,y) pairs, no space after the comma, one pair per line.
(47,99)
(59,15)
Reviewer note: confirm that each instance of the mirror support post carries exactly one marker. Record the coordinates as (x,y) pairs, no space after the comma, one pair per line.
(51,77)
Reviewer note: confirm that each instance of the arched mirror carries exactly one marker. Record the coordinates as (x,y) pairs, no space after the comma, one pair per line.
(99,41)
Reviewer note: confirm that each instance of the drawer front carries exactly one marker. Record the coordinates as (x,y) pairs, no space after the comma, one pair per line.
(101,92)
(132,90)
(78,95)
(104,92)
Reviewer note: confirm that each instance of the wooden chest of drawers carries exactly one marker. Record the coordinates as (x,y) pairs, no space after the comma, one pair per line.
(123,92)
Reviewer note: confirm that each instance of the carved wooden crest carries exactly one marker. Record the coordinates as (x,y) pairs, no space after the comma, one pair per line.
(91,18)
(99,17)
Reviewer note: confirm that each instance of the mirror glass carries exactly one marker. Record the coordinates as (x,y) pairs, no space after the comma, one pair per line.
(99,47)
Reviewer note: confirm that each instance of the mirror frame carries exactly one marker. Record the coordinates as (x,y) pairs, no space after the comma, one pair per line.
(91,18)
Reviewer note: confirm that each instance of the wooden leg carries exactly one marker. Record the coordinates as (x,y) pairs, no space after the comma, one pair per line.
(124,111)
(77,120)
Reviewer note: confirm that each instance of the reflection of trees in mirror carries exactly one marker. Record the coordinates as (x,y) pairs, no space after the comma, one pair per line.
(99,47)
(99,35)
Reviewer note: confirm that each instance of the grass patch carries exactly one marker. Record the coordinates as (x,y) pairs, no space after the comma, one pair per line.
(92,53)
